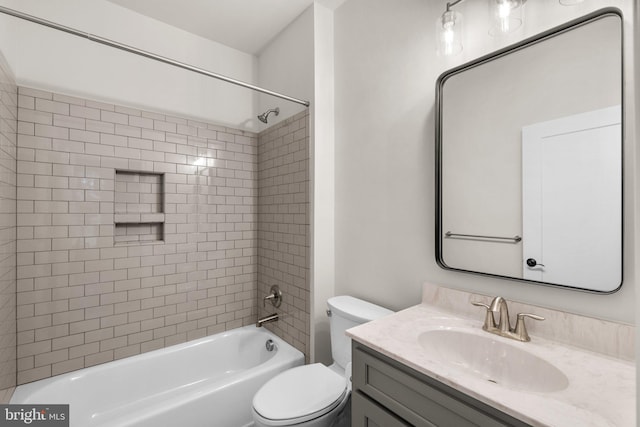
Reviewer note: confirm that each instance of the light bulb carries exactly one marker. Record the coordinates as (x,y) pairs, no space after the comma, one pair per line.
(506,16)
(449,33)
(503,17)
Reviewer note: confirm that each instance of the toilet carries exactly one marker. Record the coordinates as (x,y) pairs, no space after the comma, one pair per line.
(316,395)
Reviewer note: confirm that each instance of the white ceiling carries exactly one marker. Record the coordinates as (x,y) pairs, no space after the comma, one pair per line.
(246,25)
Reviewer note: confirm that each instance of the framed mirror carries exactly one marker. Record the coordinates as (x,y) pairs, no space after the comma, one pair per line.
(529,159)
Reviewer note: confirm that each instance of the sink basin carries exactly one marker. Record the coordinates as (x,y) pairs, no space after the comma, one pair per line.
(493,360)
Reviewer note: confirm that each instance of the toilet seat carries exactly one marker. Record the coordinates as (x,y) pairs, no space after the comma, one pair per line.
(300,394)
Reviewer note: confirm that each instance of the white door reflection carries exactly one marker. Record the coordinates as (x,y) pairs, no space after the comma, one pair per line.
(572,200)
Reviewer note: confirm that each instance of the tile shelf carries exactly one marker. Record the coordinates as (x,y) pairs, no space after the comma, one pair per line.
(138,222)
(139,218)
(138,233)
(139,208)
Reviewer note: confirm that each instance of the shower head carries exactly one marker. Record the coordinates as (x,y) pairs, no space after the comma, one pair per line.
(263,117)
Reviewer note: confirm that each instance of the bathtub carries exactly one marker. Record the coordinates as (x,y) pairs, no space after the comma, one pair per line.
(209,382)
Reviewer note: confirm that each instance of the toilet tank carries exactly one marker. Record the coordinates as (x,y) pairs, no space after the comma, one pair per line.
(347,312)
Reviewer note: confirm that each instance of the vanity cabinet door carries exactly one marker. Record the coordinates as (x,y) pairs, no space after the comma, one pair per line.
(415,398)
(366,413)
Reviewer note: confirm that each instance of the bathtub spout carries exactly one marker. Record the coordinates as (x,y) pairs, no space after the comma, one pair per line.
(267,319)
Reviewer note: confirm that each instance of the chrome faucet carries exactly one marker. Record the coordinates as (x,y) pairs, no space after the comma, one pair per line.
(503,328)
(267,319)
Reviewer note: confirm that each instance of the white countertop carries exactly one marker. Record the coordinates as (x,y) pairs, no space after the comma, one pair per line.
(601,390)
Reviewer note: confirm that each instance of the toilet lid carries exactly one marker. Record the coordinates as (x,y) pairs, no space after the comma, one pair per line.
(303,392)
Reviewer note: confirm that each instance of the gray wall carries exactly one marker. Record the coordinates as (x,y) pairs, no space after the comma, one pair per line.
(283,227)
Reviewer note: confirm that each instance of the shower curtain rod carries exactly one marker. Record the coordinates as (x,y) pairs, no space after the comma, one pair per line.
(144,53)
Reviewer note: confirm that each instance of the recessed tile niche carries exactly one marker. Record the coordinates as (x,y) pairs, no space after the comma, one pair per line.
(139,208)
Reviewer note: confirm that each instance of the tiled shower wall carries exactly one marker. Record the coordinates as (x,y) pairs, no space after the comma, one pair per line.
(84,298)
(8,126)
(284,227)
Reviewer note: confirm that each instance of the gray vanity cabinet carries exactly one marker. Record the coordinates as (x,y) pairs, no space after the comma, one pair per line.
(389,394)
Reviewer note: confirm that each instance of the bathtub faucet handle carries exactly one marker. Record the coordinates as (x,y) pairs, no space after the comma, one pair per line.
(275,296)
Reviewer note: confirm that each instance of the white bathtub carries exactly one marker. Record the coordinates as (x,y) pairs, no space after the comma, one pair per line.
(209,383)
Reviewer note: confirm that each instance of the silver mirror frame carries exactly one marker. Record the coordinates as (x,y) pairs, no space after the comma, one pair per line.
(609,11)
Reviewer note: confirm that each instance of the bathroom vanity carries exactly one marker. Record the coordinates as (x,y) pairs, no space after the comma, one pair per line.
(388,393)
(433,365)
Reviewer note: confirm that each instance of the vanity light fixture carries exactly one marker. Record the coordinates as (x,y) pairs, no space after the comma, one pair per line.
(570,2)
(506,16)
(449,31)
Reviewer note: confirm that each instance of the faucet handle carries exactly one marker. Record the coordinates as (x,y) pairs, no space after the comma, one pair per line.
(521,329)
(533,316)
(480,304)
(275,296)
(489,321)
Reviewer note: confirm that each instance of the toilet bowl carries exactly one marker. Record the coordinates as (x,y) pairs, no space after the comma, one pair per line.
(310,395)
(317,395)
